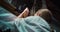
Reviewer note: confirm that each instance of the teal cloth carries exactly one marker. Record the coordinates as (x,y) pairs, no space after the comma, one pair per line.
(28,24)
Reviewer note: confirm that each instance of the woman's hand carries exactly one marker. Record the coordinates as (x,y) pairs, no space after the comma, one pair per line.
(24,13)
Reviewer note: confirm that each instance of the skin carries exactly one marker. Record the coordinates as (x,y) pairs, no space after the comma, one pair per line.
(24,13)
(44,13)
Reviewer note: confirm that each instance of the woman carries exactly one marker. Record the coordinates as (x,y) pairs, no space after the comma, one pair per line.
(12,23)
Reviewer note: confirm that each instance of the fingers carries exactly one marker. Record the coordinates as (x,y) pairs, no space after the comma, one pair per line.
(24,13)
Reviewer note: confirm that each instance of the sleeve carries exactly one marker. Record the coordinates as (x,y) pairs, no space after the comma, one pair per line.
(36,24)
(6,20)
(32,24)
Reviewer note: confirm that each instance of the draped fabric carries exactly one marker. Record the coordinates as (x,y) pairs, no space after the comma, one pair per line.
(9,22)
